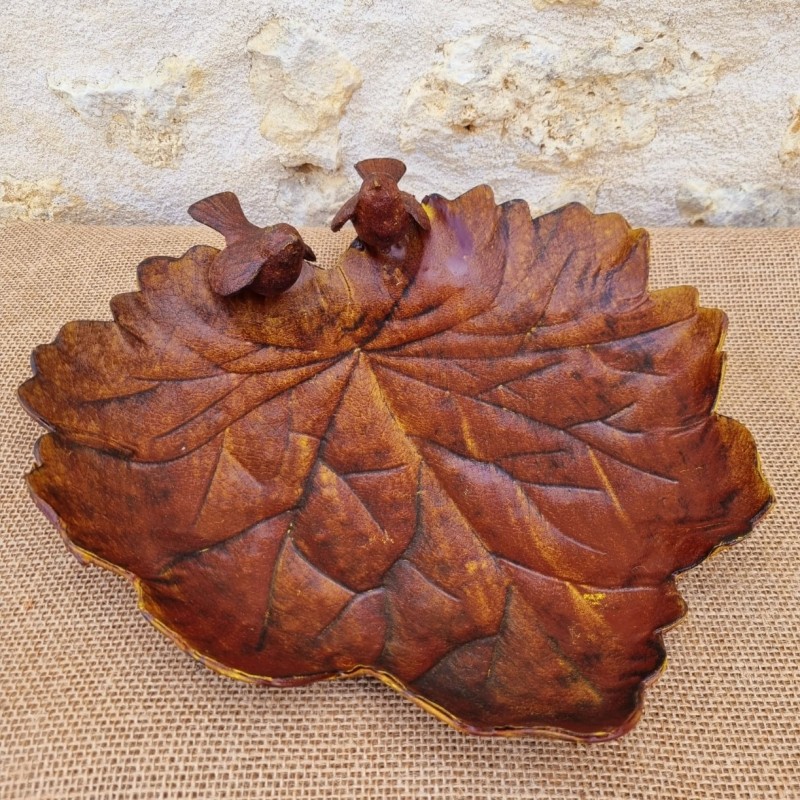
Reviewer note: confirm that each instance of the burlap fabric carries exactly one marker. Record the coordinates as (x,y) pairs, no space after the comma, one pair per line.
(97,704)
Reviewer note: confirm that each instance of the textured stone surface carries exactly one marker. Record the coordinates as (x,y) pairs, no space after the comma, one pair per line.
(742,204)
(577,190)
(39,200)
(304,85)
(554,102)
(146,114)
(542,4)
(790,146)
(140,109)
(313,191)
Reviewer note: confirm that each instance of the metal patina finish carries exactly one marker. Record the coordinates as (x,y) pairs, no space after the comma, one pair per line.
(468,459)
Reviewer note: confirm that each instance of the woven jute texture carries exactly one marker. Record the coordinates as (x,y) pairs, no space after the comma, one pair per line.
(95,703)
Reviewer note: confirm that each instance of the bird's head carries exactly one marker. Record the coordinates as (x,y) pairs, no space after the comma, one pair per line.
(283,243)
(384,217)
(281,251)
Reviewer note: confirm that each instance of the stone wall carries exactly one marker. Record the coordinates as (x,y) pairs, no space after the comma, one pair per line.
(128,111)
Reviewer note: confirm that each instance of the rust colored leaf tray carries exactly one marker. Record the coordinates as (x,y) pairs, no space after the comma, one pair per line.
(468,459)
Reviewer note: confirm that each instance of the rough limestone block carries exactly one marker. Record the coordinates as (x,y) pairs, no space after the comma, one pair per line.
(318,193)
(304,84)
(145,114)
(790,146)
(616,105)
(576,190)
(553,102)
(44,200)
(741,205)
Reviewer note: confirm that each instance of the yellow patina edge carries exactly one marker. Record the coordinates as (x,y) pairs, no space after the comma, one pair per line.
(87,557)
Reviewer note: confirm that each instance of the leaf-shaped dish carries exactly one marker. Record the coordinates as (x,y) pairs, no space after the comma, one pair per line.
(470,467)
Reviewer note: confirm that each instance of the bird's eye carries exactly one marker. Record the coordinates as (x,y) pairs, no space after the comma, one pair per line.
(357,244)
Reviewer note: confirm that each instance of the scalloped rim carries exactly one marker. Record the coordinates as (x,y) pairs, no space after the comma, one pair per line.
(88,558)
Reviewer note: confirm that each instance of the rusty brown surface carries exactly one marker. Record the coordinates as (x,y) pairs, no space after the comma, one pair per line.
(267,260)
(474,478)
(391,224)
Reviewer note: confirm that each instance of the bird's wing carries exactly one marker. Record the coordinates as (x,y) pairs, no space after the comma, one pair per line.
(414,207)
(344,213)
(233,269)
(224,214)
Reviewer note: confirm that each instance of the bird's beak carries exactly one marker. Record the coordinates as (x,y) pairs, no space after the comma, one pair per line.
(308,253)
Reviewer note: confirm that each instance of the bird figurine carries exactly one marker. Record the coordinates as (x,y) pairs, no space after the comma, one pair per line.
(382,215)
(268,260)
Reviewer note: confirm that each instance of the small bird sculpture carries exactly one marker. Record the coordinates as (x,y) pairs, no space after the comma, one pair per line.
(382,215)
(268,260)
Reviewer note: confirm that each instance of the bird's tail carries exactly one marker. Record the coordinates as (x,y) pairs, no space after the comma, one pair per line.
(224,214)
(392,167)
